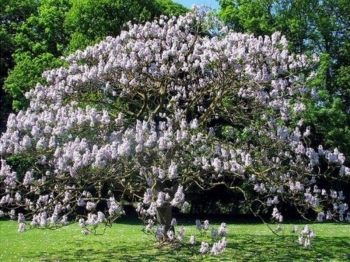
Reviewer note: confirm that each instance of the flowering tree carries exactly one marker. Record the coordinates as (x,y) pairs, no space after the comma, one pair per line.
(161,109)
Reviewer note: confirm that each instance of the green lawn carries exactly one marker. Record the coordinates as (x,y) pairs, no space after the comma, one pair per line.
(126,242)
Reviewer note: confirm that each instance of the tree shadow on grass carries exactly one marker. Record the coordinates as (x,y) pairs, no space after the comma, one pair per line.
(239,248)
(120,252)
(273,248)
(189,219)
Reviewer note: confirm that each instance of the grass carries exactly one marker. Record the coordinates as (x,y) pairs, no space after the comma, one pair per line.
(247,241)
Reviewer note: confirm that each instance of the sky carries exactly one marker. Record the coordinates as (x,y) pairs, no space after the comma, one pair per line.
(189,3)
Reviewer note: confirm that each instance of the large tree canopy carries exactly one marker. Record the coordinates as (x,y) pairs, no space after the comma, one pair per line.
(162,109)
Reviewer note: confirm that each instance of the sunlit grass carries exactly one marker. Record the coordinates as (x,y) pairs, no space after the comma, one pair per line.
(126,242)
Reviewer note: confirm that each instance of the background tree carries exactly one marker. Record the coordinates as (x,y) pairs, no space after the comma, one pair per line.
(12,15)
(163,109)
(39,42)
(171,8)
(88,22)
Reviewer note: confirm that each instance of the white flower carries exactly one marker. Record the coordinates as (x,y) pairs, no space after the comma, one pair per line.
(206,225)
(171,235)
(21,218)
(21,227)
(173,222)
(179,197)
(90,206)
(204,248)
(222,229)
(64,220)
(160,233)
(82,223)
(192,240)
(101,217)
(173,172)
(150,225)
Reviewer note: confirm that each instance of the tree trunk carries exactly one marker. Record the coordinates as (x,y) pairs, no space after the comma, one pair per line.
(164,217)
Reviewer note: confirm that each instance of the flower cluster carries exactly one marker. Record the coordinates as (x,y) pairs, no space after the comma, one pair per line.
(217,248)
(93,220)
(306,236)
(276,215)
(204,226)
(222,231)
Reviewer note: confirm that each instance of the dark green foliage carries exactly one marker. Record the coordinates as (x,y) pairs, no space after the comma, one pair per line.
(25,76)
(171,8)
(39,41)
(12,15)
(89,21)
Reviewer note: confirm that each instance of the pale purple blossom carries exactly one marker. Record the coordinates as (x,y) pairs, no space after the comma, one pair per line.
(222,229)
(192,240)
(181,235)
(21,218)
(179,197)
(152,210)
(206,224)
(160,233)
(171,235)
(276,215)
(22,227)
(204,248)
(12,214)
(149,225)
(90,206)
(173,222)
(115,209)
(43,221)
(64,220)
(306,236)
(219,247)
